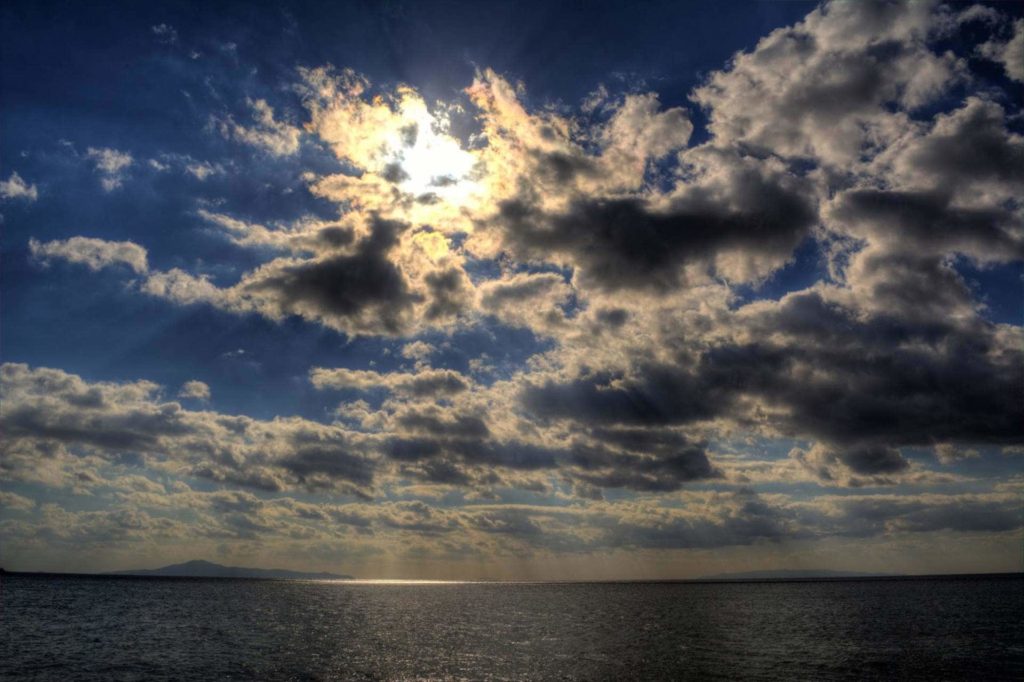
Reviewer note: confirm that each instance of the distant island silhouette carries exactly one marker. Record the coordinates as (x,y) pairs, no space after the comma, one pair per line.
(207,569)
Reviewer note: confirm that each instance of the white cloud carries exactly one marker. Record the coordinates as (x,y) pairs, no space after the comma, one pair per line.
(111,164)
(93,253)
(273,136)
(203,170)
(195,390)
(16,188)
(418,350)
(9,500)
(423,382)
(165,33)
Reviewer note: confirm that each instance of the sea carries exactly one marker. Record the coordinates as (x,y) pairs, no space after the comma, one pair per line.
(61,627)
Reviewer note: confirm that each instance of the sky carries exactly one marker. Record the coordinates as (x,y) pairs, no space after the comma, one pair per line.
(495,290)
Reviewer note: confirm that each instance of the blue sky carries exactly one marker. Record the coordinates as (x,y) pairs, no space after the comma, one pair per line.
(408,289)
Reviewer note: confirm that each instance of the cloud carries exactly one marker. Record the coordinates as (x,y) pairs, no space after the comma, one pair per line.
(111,164)
(811,365)
(553,201)
(965,150)
(947,453)
(16,188)
(534,301)
(364,289)
(638,133)
(854,466)
(947,190)
(669,469)
(126,447)
(52,418)
(535,191)
(165,33)
(277,138)
(13,501)
(418,350)
(201,171)
(620,200)
(195,390)
(824,88)
(93,253)
(654,238)
(425,382)
(1010,54)
(928,222)
(742,224)
(387,284)
(739,519)
(728,520)
(600,327)
(964,513)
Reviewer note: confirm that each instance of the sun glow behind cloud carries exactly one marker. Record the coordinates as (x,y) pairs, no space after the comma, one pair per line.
(434,162)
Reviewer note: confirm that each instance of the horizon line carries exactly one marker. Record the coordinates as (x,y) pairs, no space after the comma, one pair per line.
(513,581)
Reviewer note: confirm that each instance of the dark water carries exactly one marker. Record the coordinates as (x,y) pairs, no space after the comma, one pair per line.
(70,628)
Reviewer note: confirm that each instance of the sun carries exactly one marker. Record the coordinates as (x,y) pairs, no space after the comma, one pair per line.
(431,162)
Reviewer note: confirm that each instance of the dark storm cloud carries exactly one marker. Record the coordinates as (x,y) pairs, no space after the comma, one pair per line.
(647,459)
(745,518)
(664,472)
(968,146)
(343,286)
(394,173)
(561,168)
(412,449)
(641,440)
(443,446)
(136,430)
(926,221)
(612,317)
(914,297)
(906,397)
(628,244)
(865,383)
(333,463)
(448,292)
(336,236)
(462,426)
(909,296)
(659,394)
(473,451)
(461,448)
(852,465)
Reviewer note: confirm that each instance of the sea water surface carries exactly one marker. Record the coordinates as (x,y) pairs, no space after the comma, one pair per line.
(121,628)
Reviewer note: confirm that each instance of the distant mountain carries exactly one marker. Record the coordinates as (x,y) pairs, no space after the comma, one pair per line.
(206,569)
(790,575)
